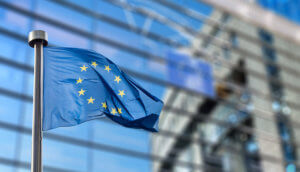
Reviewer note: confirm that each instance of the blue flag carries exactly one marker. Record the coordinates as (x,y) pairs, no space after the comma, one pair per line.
(81,85)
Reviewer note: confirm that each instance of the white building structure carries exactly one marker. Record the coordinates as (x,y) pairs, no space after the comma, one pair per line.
(273,95)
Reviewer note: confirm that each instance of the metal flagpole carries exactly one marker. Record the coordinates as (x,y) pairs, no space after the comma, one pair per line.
(37,39)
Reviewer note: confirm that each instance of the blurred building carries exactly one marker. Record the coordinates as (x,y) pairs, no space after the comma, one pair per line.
(251,125)
(248,66)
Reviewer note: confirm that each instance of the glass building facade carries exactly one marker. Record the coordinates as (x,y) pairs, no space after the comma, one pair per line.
(130,38)
(139,36)
(93,146)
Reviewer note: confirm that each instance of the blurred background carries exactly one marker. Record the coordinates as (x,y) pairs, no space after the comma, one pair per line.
(227,71)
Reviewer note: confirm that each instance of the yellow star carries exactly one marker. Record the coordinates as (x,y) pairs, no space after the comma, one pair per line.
(90,100)
(81,92)
(121,93)
(117,79)
(119,110)
(104,105)
(94,64)
(113,111)
(107,68)
(79,81)
(83,68)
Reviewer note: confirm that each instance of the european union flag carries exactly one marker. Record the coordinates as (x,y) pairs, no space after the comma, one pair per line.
(81,85)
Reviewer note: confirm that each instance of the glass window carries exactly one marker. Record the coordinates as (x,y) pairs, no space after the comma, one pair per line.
(233,39)
(130,61)
(226,53)
(78,131)
(12,49)
(112,163)
(7,142)
(13,21)
(25,154)
(27,170)
(64,155)
(21,3)
(137,140)
(90,4)
(291,168)
(64,15)
(108,9)
(265,36)
(9,109)
(61,37)
(28,80)
(11,78)
(6,168)
(27,112)
(272,70)
(269,53)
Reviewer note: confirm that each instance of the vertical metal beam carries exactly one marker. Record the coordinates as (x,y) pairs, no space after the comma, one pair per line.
(37,39)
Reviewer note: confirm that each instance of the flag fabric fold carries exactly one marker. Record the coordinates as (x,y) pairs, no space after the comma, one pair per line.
(81,85)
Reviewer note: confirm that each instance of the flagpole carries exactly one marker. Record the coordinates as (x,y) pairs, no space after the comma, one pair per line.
(37,39)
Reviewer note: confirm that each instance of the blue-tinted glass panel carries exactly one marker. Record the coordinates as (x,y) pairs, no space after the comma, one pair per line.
(109,9)
(12,49)
(269,53)
(226,53)
(26,170)
(64,15)
(118,136)
(116,162)
(171,33)
(13,21)
(78,131)
(198,6)
(130,61)
(64,155)
(7,142)
(21,3)
(61,37)
(25,154)
(9,109)
(174,15)
(272,70)
(6,167)
(233,39)
(131,39)
(90,4)
(156,90)
(27,112)
(11,78)
(265,36)
(28,81)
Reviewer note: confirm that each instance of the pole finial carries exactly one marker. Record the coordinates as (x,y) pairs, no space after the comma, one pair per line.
(37,36)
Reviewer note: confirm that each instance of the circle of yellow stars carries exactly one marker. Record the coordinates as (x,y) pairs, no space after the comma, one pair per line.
(91,100)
